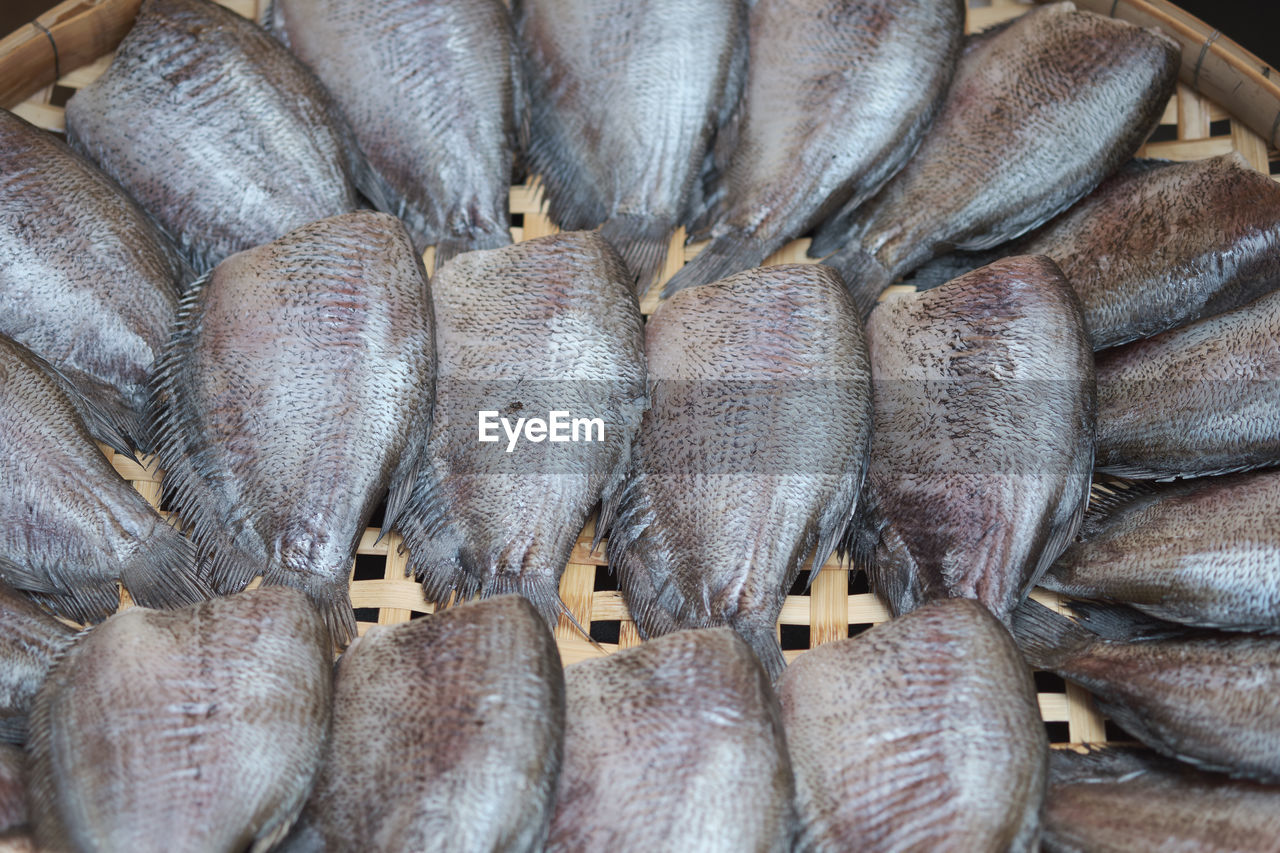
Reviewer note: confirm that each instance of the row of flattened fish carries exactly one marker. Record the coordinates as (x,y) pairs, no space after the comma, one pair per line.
(285,355)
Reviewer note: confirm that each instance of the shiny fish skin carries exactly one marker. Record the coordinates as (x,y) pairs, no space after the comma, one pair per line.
(625,99)
(1195,401)
(679,738)
(295,391)
(944,686)
(86,278)
(1059,98)
(447,735)
(433,92)
(1203,552)
(839,93)
(30,639)
(1156,246)
(749,462)
(1202,697)
(70,526)
(198,729)
(983,439)
(1121,799)
(217,131)
(545,325)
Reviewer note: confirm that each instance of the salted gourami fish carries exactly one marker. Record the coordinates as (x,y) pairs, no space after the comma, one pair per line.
(295,391)
(70,527)
(539,393)
(679,738)
(1039,112)
(88,281)
(447,735)
(198,729)
(241,144)
(983,440)
(625,98)
(30,639)
(944,686)
(1203,552)
(1200,400)
(1157,245)
(1202,697)
(750,459)
(838,96)
(1119,799)
(433,91)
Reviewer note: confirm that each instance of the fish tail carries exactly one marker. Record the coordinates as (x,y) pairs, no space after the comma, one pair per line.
(1047,638)
(642,241)
(162,573)
(329,593)
(1117,622)
(447,248)
(762,637)
(727,253)
(863,274)
(541,589)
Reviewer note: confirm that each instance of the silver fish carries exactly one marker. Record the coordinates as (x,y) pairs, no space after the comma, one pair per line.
(1202,697)
(30,639)
(295,391)
(70,526)
(922,733)
(749,463)
(242,142)
(1156,246)
(544,329)
(679,738)
(1203,552)
(87,279)
(983,439)
(199,729)
(1195,401)
(434,93)
(447,735)
(1039,112)
(625,98)
(839,93)
(1120,799)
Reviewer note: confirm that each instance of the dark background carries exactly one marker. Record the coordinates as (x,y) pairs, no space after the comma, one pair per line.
(1253,23)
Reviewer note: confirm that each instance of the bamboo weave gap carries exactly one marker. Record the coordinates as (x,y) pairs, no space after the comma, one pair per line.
(1200,128)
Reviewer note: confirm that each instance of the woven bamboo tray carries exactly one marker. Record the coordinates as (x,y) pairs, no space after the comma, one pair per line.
(1243,114)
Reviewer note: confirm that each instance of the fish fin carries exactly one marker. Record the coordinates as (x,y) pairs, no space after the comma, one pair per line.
(642,241)
(271,19)
(634,545)
(102,408)
(863,274)
(730,251)
(1062,530)
(707,192)
(13,729)
(479,238)
(763,640)
(1124,624)
(541,589)
(162,574)
(303,837)
(330,595)
(1130,471)
(877,548)
(952,265)
(1047,638)
(89,600)
(1107,499)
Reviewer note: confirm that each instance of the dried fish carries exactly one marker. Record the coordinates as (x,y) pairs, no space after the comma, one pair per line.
(30,639)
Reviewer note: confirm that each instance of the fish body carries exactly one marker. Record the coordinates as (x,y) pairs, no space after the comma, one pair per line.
(1202,697)
(447,735)
(943,686)
(1202,552)
(679,738)
(1195,401)
(88,281)
(545,326)
(13,790)
(1039,112)
(433,93)
(198,729)
(838,95)
(749,461)
(1156,246)
(242,142)
(1119,799)
(70,527)
(983,441)
(625,98)
(30,640)
(295,391)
